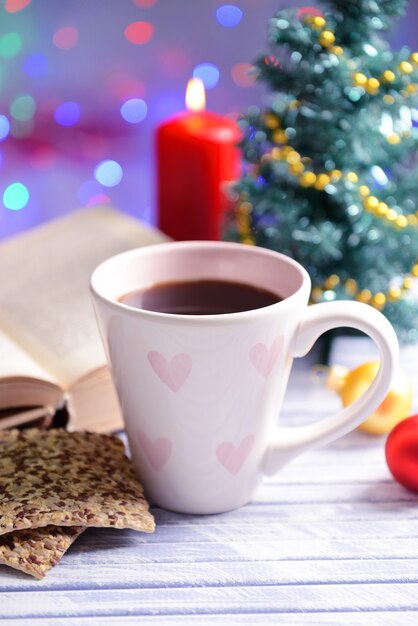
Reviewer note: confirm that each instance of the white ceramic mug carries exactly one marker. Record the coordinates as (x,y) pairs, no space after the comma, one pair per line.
(201,395)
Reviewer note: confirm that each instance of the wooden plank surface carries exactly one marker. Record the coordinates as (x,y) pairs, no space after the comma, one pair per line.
(331,540)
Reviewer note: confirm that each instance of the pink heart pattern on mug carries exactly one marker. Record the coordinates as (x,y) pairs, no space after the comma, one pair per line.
(173,373)
(156,452)
(233,457)
(264,358)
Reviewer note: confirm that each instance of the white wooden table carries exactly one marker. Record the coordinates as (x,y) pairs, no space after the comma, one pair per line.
(331,540)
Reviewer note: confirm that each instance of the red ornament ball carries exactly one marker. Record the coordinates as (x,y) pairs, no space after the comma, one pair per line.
(402,452)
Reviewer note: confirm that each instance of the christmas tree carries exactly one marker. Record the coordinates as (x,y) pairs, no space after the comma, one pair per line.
(331,174)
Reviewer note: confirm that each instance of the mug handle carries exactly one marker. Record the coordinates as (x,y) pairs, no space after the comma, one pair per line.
(289,442)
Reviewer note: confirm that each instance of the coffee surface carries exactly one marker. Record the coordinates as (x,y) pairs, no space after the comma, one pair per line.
(200,297)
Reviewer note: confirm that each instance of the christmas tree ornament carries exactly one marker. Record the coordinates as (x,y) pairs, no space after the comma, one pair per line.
(331,163)
(350,385)
(402,452)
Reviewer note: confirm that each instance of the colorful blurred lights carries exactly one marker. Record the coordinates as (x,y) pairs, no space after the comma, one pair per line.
(22,129)
(144,4)
(208,74)
(67,113)
(4,127)
(100,198)
(43,158)
(10,45)
(15,197)
(229,15)
(65,37)
(36,65)
(22,108)
(13,6)
(108,173)
(168,104)
(243,74)
(88,190)
(313,11)
(139,33)
(134,110)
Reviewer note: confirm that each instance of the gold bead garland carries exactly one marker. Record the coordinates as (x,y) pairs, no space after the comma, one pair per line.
(307,178)
(244,222)
(371,204)
(326,38)
(377,300)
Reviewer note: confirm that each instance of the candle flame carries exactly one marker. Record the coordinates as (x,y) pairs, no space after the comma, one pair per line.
(195,95)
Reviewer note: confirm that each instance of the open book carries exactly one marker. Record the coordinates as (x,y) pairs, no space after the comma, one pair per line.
(50,349)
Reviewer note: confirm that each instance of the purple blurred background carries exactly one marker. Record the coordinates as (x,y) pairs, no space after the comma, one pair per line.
(83,86)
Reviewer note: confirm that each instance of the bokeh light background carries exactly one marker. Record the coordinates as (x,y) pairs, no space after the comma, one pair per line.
(84,84)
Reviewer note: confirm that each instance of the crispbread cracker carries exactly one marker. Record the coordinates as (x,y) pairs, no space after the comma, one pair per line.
(68,479)
(36,550)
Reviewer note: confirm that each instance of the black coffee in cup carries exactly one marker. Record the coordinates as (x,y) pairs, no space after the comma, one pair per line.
(200,297)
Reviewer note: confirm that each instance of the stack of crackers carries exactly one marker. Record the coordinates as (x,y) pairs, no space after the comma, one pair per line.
(55,484)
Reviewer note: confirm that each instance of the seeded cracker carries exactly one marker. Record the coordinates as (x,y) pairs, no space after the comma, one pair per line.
(36,550)
(68,479)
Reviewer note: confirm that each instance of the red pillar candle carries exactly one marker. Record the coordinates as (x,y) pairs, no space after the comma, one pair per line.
(197,152)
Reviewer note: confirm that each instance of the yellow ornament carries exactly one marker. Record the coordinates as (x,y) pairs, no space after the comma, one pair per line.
(307,179)
(364,191)
(382,209)
(405,67)
(335,174)
(350,286)
(394,294)
(360,79)
(318,21)
(296,168)
(326,38)
(378,300)
(408,282)
(332,281)
(271,121)
(316,294)
(371,203)
(388,99)
(279,136)
(350,385)
(388,76)
(394,139)
(352,177)
(365,295)
(322,181)
(401,221)
(293,157)
(372,86)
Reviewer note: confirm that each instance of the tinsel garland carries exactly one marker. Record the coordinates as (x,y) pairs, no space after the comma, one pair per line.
(331,176)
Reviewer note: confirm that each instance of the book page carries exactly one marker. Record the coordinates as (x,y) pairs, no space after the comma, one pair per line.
(15,362)
(45,303)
